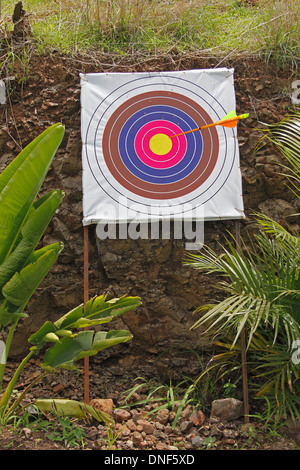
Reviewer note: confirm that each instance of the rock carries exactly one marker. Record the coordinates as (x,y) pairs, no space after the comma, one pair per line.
(159,426)
(197,441)
(93,432)
(160,435)
(126,432)
(216,432)
(227,409)
(129,444)
(147,427)
(230,433)
(134,397)
(131,425)
(136,415)
(103,404)
(58,388)
(121,415)
(27,432)
(161,446)
(231,442)
(60,231)
(162,415)
(137,438)
(185,426)
(197,418)
(187,412)
(279,210)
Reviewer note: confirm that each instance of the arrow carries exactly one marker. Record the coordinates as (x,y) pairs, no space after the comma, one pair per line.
(230,120)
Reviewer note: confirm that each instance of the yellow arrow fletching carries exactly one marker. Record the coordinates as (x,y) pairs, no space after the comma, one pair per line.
(230,115)
(233,120)
(230,120)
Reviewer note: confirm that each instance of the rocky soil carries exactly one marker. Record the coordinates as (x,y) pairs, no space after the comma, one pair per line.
(137,427)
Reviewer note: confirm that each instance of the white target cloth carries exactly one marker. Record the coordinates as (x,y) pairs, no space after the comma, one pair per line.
(137,167)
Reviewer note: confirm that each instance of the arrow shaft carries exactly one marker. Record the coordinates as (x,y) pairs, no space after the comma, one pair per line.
(223,122)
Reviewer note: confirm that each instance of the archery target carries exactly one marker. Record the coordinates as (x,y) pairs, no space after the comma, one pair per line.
(129,157)
(135,149)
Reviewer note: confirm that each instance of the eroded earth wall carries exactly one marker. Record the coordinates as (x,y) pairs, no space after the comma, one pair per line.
(48,91)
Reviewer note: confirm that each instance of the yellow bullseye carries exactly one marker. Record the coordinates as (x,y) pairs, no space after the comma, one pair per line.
(160,144)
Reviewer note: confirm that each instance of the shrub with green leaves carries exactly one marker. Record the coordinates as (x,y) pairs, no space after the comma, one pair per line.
(262,294)
(24,218)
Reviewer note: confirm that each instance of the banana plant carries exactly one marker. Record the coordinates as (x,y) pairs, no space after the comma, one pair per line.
(64,347)
(71,346)
(24,218)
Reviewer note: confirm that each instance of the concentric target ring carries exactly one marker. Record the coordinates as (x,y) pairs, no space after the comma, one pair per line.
(159,158)
(165,175)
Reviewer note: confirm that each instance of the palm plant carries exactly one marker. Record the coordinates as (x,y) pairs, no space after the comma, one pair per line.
(262,287)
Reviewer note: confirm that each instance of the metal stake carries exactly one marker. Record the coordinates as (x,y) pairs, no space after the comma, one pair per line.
(243,343)
(85,299)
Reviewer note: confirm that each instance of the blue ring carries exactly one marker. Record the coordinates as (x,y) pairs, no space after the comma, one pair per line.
(156,175)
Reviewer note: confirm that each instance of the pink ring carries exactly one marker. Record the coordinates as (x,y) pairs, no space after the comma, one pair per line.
(151,159)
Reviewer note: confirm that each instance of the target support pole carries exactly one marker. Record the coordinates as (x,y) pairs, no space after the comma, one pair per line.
(85,299)
(243,342)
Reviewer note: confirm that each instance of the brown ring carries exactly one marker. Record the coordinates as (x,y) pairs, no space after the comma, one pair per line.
(151,190)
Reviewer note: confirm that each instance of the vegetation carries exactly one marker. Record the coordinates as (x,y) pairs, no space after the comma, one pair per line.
(23,220)
(263,290)
(269,28)
(262,284)
(169,397)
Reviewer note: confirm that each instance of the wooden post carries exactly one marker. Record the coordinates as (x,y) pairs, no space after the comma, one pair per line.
(85,299)
(243,344)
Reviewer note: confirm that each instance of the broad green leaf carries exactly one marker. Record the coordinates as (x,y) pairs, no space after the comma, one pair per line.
(86,323)
(11,169)
(21,286)
(86,343)
(21,183)
(62,354)
(51,338)
(38,337)
(70,318)
(33,258)
(64,333)
(113,307)
(7,316)
(76,409)
(97,309)
(31,234)
(104,339)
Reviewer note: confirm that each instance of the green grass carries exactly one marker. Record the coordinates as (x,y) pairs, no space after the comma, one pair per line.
(217,27)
